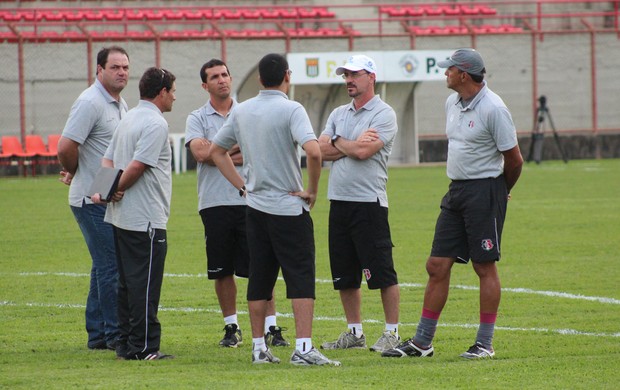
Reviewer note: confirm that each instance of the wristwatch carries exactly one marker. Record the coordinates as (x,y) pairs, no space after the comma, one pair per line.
(242,191)
(334,138)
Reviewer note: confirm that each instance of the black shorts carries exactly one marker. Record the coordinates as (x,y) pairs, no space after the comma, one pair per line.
(225,241)
(277,241)
(471,220)
(360,243)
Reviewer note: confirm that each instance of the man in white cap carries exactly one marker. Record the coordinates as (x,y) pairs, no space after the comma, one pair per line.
(358,139)
(484,163)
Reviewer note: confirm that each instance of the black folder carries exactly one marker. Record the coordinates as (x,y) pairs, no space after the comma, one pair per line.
(106,182)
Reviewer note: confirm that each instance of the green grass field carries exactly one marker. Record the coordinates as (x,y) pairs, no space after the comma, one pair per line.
(558,326)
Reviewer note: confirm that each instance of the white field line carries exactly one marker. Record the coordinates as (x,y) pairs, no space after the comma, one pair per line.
(340,319)
(570,332)
(554,294)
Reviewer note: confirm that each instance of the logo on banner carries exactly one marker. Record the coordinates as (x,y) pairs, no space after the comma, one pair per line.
(408,64)
(312,67)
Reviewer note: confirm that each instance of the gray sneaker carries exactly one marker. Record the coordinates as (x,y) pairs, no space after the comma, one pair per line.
(260,357)
(388,340)
(346,340)
(312,358)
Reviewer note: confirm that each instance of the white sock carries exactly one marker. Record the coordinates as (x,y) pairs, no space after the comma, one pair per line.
(231,319)
(356,329)
(269,321)
(303,345)
(392,328)
(258,344)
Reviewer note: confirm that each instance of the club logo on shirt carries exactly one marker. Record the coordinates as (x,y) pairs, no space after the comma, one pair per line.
(487,244)
(471,124)
(367,274)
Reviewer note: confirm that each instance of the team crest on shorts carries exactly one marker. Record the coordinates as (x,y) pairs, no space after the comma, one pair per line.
(367,274)
(487,244)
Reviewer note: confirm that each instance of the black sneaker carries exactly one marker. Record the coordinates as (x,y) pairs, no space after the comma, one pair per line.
(150,356)
(121,350)
(478,351)
(232,337)
(408,348)
(274,337)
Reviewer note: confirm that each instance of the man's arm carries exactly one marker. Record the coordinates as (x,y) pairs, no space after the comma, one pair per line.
(68,154)
(513,162)
(313,163)
(364,147)
(328,151)
(201,150)
(225,164)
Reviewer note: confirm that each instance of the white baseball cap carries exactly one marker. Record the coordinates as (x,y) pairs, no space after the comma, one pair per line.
(356,63)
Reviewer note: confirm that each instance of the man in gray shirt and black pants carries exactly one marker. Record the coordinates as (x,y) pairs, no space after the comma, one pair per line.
(139,212)
(358,138)
(269,129)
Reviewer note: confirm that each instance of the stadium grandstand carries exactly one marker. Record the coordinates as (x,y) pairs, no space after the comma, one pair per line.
(565,50)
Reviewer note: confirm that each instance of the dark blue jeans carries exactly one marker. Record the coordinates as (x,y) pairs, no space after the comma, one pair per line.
(101,305)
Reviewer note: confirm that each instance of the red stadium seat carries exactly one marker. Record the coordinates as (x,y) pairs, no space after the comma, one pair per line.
(487,10)
(13,153)
(415,11)
(287,13)
(450,11)
(153,14)
(432,11)
(113,14)
(171,14)
(196,14)
(74,15)
(134,14)
(250,14)
(42,154)
(50,15)
(227,14)
(269,13)
(93,15)
(324,13)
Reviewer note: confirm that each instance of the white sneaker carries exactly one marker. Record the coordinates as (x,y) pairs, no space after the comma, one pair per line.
(260,357)
(346,340)
(312,358)
(388,340)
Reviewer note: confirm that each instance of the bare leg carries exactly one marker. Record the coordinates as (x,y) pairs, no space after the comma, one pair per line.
(490,287)
(352,302)
(438,286)
(258,309)
(226,291)
(390,297)
(303,309)
(271,305)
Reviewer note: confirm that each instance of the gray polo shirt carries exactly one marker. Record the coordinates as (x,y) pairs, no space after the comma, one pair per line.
(91,123)
(269,129)
(142,135)
(361,180)
(477,134)
(213,188)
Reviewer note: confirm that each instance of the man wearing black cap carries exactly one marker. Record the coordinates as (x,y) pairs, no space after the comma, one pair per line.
(484,163)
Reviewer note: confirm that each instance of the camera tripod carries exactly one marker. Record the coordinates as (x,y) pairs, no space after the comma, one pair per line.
(538,134)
